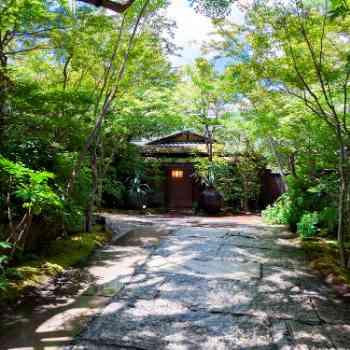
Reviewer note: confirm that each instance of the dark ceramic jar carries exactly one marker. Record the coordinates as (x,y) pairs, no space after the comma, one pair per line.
(211,200)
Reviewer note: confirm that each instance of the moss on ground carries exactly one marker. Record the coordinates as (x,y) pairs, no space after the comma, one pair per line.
(59,255)
(324,256)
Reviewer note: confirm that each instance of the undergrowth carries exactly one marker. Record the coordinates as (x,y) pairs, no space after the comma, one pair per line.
(324,257)
(58,256)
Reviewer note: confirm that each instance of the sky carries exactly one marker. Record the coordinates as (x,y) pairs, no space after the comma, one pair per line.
(192,30)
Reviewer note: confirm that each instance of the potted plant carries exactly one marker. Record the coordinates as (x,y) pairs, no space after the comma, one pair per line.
(210,199)
(137,193)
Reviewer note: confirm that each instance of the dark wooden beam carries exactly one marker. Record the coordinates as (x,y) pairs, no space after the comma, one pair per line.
(111,5)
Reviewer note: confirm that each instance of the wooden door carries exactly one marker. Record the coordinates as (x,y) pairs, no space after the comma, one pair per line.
(179,189)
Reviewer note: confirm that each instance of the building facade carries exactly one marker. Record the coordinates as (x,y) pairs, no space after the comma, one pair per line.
(180,188)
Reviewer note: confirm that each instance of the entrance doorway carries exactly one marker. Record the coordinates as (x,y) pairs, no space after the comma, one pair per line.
(179,186)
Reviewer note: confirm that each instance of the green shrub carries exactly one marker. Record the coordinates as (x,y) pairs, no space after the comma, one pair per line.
(304,197)
(280,212)
(30,187)
(328,219)
(30,194)
(4,246)
(73,216)
(73,205)
(114,193)
(307,226)
(239,183)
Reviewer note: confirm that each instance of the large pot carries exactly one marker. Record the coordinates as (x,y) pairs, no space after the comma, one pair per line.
(211,200)
(136,201)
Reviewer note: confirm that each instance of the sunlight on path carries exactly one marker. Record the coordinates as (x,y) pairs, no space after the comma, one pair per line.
(221,283)
(56,313)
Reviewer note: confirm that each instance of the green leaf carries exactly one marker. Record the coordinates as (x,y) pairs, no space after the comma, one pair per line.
(5,245)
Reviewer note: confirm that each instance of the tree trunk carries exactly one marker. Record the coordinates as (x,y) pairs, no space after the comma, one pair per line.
(343,204)
(26,230)
(280,164)
(4,89)
(91,203)
(291,162)
(245,196)
(88,218)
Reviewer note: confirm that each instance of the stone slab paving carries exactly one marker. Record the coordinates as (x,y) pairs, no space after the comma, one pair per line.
(206,286)
(56,312)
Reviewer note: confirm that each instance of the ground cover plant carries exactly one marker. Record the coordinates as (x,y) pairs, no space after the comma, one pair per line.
(33,270)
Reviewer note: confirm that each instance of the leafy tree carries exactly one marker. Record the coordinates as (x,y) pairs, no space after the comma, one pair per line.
(295,50)
(339,8)
(24,25)
(202,98)
(80,94)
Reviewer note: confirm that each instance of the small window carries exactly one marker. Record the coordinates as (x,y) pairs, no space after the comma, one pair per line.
(177,174)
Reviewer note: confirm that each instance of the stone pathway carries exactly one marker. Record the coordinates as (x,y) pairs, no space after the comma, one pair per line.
(220,283)
(50,317)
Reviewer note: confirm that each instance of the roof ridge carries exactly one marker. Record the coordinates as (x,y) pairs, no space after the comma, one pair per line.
(188,131)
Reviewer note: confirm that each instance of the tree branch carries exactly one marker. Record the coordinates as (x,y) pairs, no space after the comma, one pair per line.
(65,71)
(111,67)
(300,76)
(107,102)
(9,215)
(38,47)
(111,5)
(317,65)
(345,107)
(310,105)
